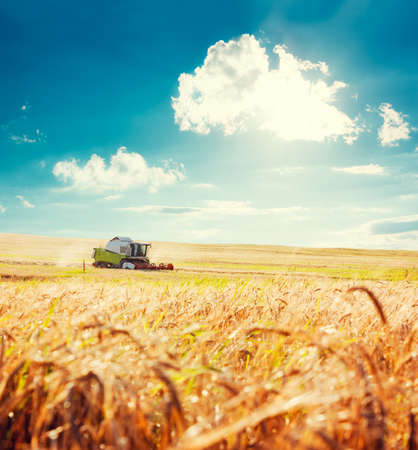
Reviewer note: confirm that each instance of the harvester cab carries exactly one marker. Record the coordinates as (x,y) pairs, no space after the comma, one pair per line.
(123,253)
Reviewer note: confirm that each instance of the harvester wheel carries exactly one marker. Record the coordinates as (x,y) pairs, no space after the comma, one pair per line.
(126,264)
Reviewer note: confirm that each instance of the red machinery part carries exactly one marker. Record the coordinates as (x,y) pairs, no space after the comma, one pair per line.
(140,265)
(153,266)
(163,266)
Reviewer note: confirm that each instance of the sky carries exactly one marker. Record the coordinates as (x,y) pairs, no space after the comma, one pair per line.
(287,122)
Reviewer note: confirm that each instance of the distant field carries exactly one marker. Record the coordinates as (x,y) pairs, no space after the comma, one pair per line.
(241,347)
(244,259)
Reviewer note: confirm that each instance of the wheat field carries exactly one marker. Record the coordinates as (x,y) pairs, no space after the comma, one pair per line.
(241,347)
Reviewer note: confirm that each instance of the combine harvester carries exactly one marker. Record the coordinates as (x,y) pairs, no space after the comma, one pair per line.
(124,253)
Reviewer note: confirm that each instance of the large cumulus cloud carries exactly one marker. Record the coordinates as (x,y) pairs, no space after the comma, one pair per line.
(236,90)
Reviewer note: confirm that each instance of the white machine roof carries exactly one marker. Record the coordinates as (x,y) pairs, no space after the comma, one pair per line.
(120,245)
(122,238)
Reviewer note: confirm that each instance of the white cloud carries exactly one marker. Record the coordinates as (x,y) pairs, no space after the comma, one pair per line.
(2,209)
(112,197)
(25,203)
(39,136)
(235,90)
(24,139)
(218,208)
(125,171)
(407,197)
(394,225)
(161,209)
(390,233)
(394,128)
(204,186)
(369,169)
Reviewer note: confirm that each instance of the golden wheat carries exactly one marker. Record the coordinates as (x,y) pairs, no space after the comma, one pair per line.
(160,362)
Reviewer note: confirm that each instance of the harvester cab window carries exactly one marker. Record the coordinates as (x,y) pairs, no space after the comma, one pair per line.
(139,250)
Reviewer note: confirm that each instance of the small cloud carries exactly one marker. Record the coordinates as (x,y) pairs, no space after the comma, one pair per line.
(204,186)
(24,139)
(2,209)
(395,225)
(394,128)
(40,136)
(160,209)
(125,171)
(219,208)
(42,164)
(112,197)
(369,169)
(408,197)
(25,203)
(390,233)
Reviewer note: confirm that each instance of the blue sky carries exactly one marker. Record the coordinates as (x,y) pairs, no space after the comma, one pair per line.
(277,122)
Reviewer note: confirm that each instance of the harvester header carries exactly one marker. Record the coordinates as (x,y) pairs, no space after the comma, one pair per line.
(123,253)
